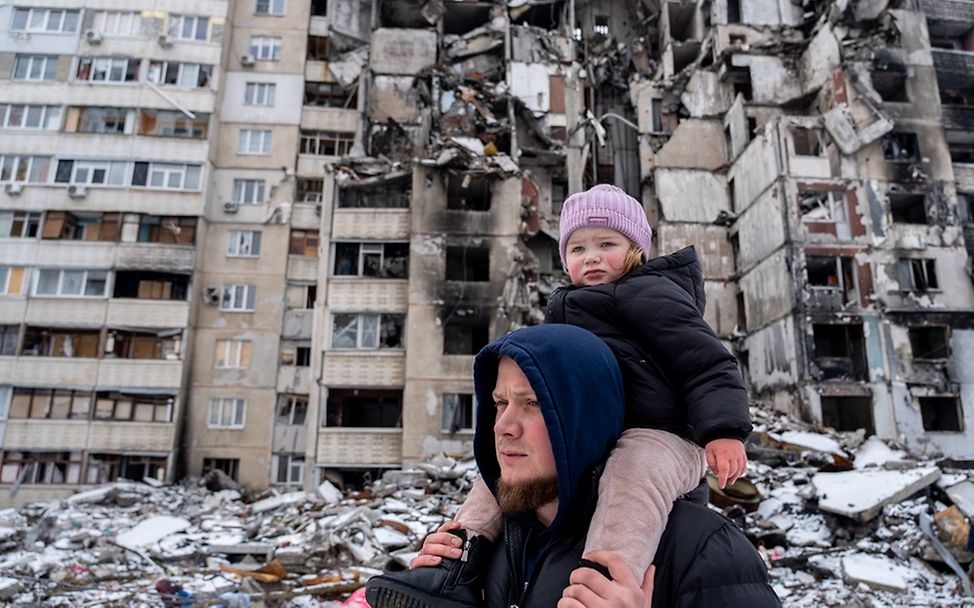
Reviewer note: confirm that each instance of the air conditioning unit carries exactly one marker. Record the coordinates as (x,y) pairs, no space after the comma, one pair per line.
(230,206)
(164,41)
(211,295)
(14,188)
(75,191)
(93,37)
(247,60)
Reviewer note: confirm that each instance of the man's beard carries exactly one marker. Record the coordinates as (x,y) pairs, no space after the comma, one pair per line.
(526,496)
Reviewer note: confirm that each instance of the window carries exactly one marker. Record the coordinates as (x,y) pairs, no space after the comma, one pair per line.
(226,413)
(64,225)
(840,351)
(822,206)
(300,296)
(248,191)
(366,331)
(90,172)
(166,176)
(44,20)
(108,69)
(188,27)
(391,194)
(908,208)
(11,280)
(464,335)
(254,141)
(259,93)
(304,242)
(295,353)
(118,23)
(901,147)
(466,192)
(330,95)
(171,230)
(848,413)
(243,243)
(60,404)
(20,116)
(317,48)
(148,285)
(290,468)
(364,408)
(9,336)
(19,224)
(831,280)
(319,7)
(929,342)
(101,120)
(232,354)
(270,7)
(265,48)
(105,468)
(238,298)
(381,260)
(144,345)
(43,468)
(185,75)
(918,274)
(458,412)
(56,342)
(172,123)
(326,143)
(71,283)
(808,142)
(134,407)
(35,67)
(229,466)
(33,169)
(292,410)
(467,263)
(309,190)
(941,414)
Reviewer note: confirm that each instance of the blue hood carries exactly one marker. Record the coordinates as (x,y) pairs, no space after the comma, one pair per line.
(578,384)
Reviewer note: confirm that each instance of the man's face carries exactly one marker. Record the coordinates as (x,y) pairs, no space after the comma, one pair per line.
(520,436)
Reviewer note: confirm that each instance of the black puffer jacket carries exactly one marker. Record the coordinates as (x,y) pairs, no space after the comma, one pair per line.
(678,377)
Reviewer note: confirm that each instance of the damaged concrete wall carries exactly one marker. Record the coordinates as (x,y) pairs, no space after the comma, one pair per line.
(691,196)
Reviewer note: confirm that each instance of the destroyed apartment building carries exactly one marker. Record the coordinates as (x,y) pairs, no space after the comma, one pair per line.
(267,237)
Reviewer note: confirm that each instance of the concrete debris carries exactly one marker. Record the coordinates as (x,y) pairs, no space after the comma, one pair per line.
(862,494)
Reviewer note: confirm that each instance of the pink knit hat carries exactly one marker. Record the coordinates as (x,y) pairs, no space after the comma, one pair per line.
(605,206)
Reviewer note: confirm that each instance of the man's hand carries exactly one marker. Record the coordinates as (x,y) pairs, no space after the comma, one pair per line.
(438,545)
(589,589)
(727,459)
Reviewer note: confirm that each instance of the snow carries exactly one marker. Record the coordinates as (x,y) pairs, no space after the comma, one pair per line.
(875,453)
(878,572)
(811,441)
(151,531)
(274,502)
(862,494)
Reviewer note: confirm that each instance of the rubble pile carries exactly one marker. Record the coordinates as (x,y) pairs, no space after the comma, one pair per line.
(840,520)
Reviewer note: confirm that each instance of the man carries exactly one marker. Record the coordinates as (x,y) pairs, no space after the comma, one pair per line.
(550,407)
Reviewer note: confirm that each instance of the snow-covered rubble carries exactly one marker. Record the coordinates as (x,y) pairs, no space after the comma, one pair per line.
(836,519)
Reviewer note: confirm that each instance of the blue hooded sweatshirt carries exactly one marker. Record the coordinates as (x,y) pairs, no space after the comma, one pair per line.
(577,382)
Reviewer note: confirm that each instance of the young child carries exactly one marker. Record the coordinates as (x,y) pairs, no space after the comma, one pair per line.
(686,405)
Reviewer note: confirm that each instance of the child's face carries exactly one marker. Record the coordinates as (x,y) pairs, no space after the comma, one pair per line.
(596,256)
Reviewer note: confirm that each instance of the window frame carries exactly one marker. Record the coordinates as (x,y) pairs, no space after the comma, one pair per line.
(266,48)
(260,94)
(95,63)
(161,68)
(29,220)
(361,331)
(102,19)
(167,170)
(235,351)
(238,415)
(85,277)
(49,114)
(48,69)
(45,28)
(228,303)
(246,138)
(269,11)
(178,23)
(241,187)
(30,171)
(236,239)
(459,402)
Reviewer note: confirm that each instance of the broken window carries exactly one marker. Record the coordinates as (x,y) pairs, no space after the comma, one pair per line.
(901,147)
(891,84)
(840,351)
(317,48)
(291,409)
(171,230)
(19,224)
(319,8)
(243,243)
(831,278)
(238,297)
(559,192)
(82,226)
(40,467)
(58,342)
(108,69)
(299,296)
(392,194)
(44,403)
(364,408)
(965,201)
(367,331)
(304,243)
(848,413)
(467,192)
(929,342)
(326,143)
(822,206)
(908,208)
(97,120)
(379,260)
(134,407)
(144,345)
(295,353)
(961,152)
(918,274)
(681,21)
(733,11)
(232,354)
(309,190)
(464,335)
(147,285)
(941,413)
(172,123)
(462,17)
(546,15)
(404,13)
(290,468)
(808,142)
(330,95)
(229,466)
(739,78)
(458,412)
(185,75)
(105,468)
(467,263)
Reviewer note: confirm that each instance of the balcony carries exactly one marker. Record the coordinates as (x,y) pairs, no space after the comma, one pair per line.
(352,447)
(302,268)
(46,434)
(964,176)
(298,324)
(368,368)
(67,311)
(306,216)
(318,25)
(948,10)
(370,223)
(156,256)
(12,311)
(958,118)
(147,313)
(955,69)
(140,373)
(317,71)
(76,254)
(48,371)
(312,165)
(330,119)
(368,294)
(140,436)
(821,299)
(293,379)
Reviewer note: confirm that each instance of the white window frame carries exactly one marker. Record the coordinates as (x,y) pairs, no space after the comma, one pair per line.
(117,23)
(49,117)
(226,413)
(186,71)
(316,140)
(178,27)
(166,171)
(249,191)
(294,463)
(33,166)
(266,48)
(232,354)
(113,170)
(85,277)
(7,219)
(243,243)
(271,8)
(254,142)
(291,402)
(260,94)
(361,333)
(444,428)
(40,20)
(107,65)
(44,61)
(238,297)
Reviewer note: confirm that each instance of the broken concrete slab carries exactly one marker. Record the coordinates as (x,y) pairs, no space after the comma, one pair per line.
(877,572)
(402,51)
(348,67)
(963,496)
(874,453)
(861,495)
(810,441)
(151,531)
(276,502)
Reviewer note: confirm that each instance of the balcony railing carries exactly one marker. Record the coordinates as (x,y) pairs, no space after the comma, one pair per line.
(343,446)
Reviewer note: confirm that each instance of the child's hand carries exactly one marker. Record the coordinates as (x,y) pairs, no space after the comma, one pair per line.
(438,545)
(727,459)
